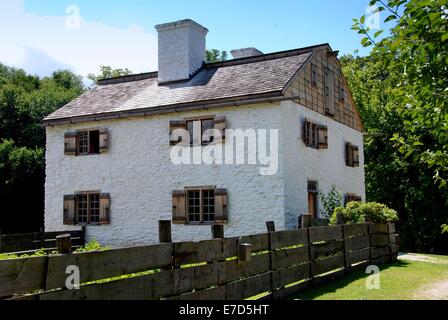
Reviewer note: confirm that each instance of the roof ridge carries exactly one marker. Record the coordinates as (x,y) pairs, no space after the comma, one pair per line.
(226,63)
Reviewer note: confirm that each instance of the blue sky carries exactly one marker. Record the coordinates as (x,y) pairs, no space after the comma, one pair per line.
(121,32)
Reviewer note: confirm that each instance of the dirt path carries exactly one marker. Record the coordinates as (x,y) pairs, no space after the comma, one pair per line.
(417,257)
(436,291)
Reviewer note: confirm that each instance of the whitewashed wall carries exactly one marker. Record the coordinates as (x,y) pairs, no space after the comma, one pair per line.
(138,174)
(327,167)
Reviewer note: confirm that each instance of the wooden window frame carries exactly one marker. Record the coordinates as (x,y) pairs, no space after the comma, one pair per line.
(201,191)
(201,120)
(351,155)
(88,195)
(351,197)
(78,143)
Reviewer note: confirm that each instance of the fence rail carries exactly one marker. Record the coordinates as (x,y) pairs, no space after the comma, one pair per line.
(33,241)
(272,265)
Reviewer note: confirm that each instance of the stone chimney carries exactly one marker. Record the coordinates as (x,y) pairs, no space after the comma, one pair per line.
(246,52)
(181,49)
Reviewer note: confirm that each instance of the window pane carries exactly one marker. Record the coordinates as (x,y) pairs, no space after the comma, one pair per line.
(194,206)
(83,138)
(209,205)
(81,208)
(207,125)
(190,130)
(94,143)
(94,203)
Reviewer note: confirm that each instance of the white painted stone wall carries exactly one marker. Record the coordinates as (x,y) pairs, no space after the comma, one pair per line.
(327,167)
(138,174)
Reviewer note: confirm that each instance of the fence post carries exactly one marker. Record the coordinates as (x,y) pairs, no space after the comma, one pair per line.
(306,220)
(339,218)
(217,231)
(270,225)
(83,235)
(42,237)
(165,231)
(1,237)
(64,243)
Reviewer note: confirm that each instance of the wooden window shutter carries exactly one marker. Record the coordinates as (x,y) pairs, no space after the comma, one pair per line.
(69,209)
(174,125)
(70,139)
(314,75)
(307,132)
(355,152)
(104,140)
(348,154)
(220,125)
(179,209)
(104,208)
(221,206)
(323,137)
(329,92)
(350,197)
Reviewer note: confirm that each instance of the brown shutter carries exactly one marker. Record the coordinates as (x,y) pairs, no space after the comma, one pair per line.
(70,143)
(104,208)
(69,209)
(348,154)
(323,137)
(177,124)
(104,140)
(355,152)
(307,132)
(221,206)
(179,210)
(220,124)
(350,197)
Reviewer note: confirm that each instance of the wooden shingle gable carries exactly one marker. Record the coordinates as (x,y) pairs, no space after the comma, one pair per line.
(333,100)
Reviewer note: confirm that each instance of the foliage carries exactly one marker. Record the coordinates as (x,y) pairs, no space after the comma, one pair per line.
(360,212)
(215,55)
(444,228)
(24,101)
(330,201)
(107,72)
(416,52)
(92,246)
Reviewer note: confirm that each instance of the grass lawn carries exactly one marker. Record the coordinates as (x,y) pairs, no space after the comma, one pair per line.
(412,277)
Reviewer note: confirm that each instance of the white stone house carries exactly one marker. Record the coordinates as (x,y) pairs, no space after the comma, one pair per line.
(109,162)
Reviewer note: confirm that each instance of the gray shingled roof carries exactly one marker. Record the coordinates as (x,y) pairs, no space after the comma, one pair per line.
(248,77)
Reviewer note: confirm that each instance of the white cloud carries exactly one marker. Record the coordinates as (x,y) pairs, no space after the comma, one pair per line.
(41,44)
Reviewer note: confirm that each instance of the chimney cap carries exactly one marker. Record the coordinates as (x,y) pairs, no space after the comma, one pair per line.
(181,24)
(245,52)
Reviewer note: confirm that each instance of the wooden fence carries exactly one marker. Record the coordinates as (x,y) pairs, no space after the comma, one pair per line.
(22,243)
(273,265)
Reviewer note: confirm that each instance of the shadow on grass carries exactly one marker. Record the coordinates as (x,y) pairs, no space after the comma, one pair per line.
(344,281)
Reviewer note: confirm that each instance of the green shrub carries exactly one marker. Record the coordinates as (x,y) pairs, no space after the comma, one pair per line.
(92,246)
(359,212)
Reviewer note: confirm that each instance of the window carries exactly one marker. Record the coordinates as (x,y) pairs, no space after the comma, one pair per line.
(312,198)
(314,75)
(201,206)
(315,136)
(341,93)
(203,125)
(350,197)
(85,142)
(329,92)
(88,208)
(351,155)
(198,205)
(196,130)
(88,142)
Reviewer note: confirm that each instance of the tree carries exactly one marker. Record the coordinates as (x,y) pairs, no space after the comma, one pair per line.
(24,101)
(400,89)
(214,55)
(106,72)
